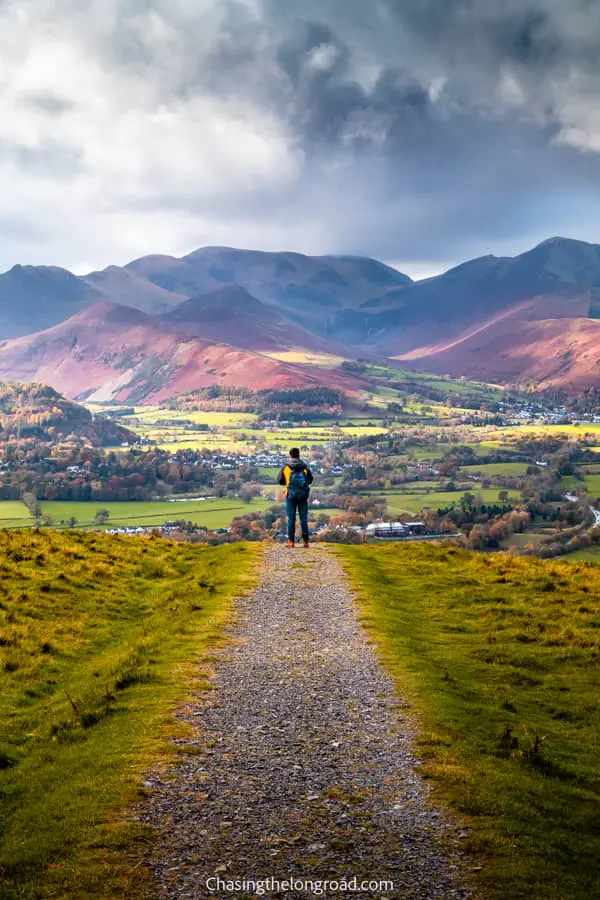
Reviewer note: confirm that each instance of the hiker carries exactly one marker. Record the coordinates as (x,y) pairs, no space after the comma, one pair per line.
(297,478)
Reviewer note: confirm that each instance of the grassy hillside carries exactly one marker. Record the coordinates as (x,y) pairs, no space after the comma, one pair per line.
(499,658)
(99,638)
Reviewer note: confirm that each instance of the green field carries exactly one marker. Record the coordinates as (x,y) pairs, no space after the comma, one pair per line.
(152,414)
(14,514)
(592,485)
(439,382)
(173,430)
(498,658)
(412,487)
(415,502)
(490,469)
(216,513)
(100,642)
(268,474)
(590,555)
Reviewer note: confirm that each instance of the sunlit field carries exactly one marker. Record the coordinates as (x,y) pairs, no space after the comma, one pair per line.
(305,358)
(14,514)
(214,513)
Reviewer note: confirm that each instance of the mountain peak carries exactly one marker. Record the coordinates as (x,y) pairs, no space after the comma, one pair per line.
(558,241)
(28,271)
(106,312)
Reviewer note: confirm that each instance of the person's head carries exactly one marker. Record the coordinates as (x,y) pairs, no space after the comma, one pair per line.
(294,453)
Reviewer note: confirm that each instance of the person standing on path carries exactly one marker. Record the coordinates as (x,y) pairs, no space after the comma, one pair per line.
(296,477)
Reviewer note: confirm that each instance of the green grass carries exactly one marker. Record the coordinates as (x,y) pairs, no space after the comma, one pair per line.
(269,474)
(499,658)
(152,414)
(211,513)
(412,487)
(489,469)
(100,639)
(590,554)
(415,502)
(590,483)
(14,514)
(440,382)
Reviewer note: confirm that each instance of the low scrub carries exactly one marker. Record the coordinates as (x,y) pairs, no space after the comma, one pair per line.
(499,658)
(100,639)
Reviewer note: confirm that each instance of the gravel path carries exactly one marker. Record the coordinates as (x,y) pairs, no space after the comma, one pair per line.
(304,767)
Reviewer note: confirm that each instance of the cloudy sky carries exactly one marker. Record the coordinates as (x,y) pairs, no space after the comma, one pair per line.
(421,132)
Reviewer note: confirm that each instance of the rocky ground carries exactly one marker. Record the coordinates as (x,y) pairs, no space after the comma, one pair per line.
(305,768)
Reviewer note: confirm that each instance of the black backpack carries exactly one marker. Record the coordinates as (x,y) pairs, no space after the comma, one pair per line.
(298,488)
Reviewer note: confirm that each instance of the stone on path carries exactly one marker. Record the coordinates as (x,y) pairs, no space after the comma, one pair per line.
(306,769)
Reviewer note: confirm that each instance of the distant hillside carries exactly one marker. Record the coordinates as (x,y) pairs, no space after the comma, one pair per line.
(36,297)
(513,349)
(309,289)
(125,287)
(231,315)
(37,411)
(471,320)
(527,320)
(562,276)
(112,352)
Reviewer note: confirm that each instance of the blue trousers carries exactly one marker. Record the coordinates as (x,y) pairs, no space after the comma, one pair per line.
(293,505)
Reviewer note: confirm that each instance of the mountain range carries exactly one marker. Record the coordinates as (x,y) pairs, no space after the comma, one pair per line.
(161,325)
(111,352)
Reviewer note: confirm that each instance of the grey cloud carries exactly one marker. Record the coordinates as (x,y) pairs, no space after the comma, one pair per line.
(47,102)
(59,161)
(410,128)
(328,101)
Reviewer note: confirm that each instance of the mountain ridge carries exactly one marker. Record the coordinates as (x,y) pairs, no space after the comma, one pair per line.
(111,352)
(268,302)
(230,314)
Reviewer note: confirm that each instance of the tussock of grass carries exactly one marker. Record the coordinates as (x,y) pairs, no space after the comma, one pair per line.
(100,639)
(500,658)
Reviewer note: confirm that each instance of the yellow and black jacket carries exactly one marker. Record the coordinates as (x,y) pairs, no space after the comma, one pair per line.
(286,472)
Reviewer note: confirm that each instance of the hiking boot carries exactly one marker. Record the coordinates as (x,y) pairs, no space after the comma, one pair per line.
(306,545)
(290,544)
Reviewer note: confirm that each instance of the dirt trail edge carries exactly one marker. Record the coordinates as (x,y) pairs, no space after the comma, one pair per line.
(303,766)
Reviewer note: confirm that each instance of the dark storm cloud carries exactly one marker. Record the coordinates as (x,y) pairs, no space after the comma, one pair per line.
(531,33)
(404,129)
(329,103)
(476,118)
